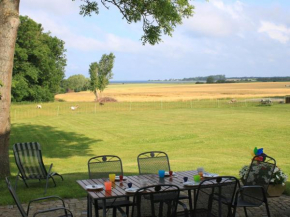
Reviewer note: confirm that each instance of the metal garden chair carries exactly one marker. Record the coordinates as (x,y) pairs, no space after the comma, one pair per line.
(67,212)
(155,201)
(153,161)
(101,167)
(253,193)
(28,158)
(215,196)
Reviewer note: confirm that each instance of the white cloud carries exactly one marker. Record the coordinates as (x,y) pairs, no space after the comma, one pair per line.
(217,19)
(234,10)
(277,32)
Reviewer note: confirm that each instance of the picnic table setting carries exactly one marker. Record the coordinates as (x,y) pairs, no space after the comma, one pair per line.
(157,190)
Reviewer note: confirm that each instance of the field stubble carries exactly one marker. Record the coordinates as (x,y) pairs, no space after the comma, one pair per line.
(177,92)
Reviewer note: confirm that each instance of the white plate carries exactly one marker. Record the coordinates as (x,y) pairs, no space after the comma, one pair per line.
(117,178)
(131,190)
(94,187)
(190,183)
(167,174)
(209,175)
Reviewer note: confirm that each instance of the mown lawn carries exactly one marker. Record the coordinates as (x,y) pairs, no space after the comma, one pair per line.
(219,139)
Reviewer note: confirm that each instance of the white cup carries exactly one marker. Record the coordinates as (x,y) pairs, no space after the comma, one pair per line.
(143,182)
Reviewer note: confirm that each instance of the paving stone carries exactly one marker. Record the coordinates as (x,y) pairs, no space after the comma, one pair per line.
(279,207)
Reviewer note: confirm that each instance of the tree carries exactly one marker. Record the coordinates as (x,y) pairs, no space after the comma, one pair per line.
(101,73)
(210,80)
(158,17)
(76,82)
(39,62)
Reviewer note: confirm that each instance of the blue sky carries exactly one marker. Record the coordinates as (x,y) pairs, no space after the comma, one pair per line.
(235,38)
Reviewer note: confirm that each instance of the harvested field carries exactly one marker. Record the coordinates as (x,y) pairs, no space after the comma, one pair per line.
(175,92)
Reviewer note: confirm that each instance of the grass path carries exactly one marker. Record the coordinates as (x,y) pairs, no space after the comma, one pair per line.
(219,139)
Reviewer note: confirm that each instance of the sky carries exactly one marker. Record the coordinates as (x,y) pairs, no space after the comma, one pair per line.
(234,38)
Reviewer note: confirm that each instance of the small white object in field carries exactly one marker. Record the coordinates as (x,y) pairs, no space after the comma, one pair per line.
(74,107)
(233,101)
(39,106)
(266,101)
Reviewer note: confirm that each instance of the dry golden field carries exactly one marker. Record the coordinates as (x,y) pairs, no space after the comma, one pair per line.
(175,92)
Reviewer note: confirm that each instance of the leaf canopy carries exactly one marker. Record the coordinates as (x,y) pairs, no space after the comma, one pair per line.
(158,16)
(39,63)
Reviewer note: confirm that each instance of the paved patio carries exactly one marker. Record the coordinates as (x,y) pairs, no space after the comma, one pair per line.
(279,207)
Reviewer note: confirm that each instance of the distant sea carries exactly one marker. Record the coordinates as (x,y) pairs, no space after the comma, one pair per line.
(130,82)
(152,82)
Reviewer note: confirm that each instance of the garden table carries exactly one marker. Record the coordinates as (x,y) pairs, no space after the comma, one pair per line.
(118,188)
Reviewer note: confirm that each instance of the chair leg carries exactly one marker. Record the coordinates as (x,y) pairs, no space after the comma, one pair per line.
(127,207)
(114,212)
(190,202)
(56,174)
(46,185)
(127,210)
(53,181)
(234,211)
(17,177)
(230,214)
(89,206)
(246,213)
(96,209)
(267,208)
(25,183)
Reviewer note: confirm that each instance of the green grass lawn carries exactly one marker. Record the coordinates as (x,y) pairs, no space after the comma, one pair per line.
(219,139)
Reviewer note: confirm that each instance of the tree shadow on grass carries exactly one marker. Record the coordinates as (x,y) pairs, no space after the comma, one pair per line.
(54,143)
(68,188)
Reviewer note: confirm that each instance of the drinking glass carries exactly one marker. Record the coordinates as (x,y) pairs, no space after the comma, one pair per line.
(185,179)
(170,173)
(161,173)
(143,182)
(108,186)
(200,171)
(196,178)
(130,184)
(121,178)
(112,177)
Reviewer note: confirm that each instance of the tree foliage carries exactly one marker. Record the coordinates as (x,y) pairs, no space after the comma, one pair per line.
(39,63)
(101,73)
(210,79)
(158,17)
(76,82)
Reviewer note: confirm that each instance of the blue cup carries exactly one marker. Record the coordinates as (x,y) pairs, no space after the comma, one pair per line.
(185,179)
(130,184)
(161,173)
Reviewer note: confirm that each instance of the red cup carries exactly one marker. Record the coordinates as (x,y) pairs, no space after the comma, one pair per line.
(108,186)
(121,177)
(170,173)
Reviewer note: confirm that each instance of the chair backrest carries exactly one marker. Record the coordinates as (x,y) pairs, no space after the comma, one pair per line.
(102,166)
(215,196)
(156,201)
(28,159)
(260,171)
(151,162)
(15,197)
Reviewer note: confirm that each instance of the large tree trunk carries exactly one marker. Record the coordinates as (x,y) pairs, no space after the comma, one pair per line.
(9,22)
